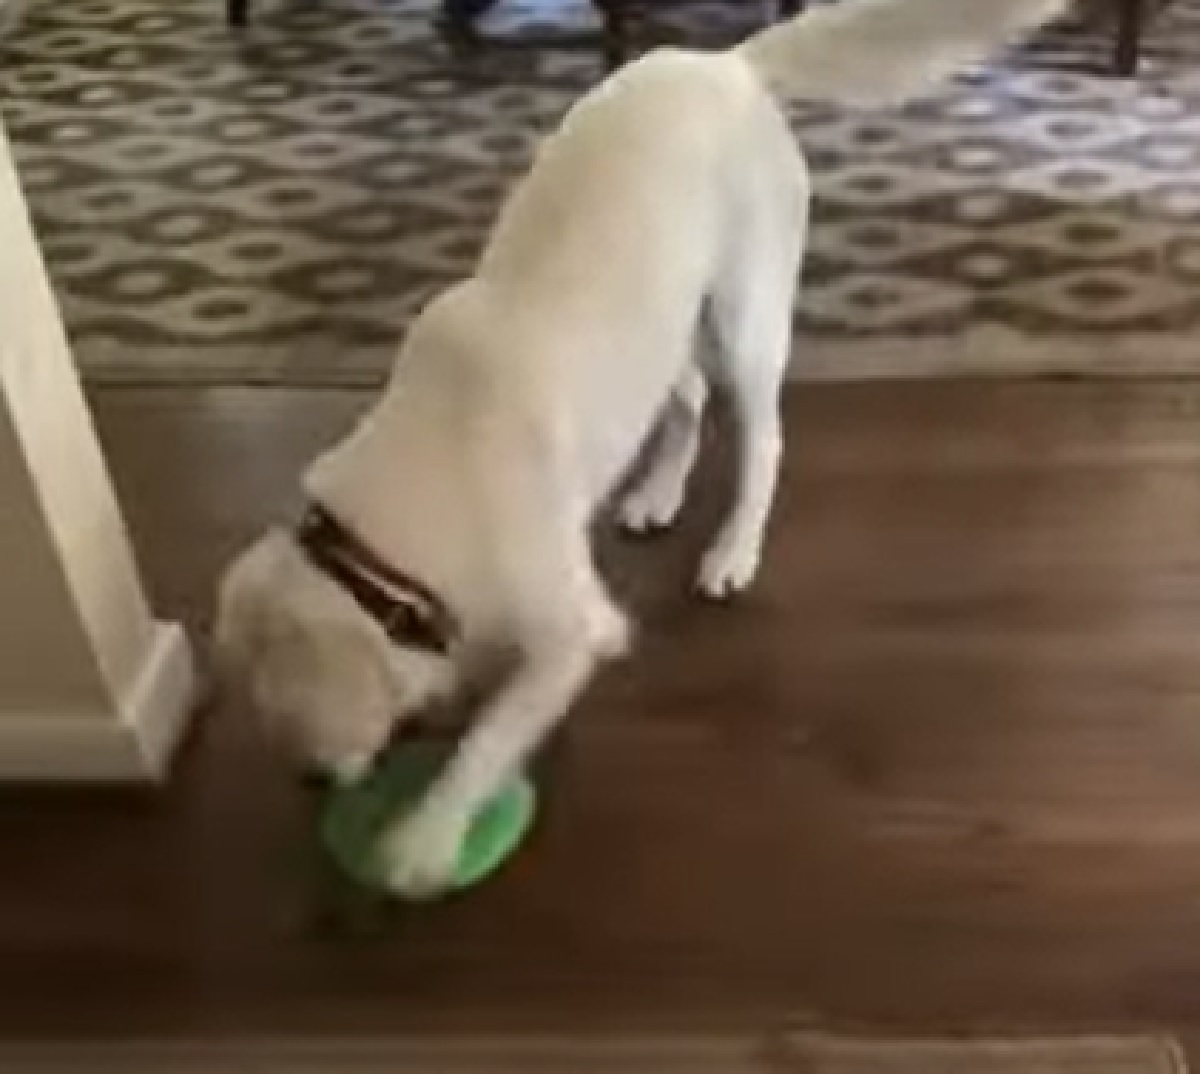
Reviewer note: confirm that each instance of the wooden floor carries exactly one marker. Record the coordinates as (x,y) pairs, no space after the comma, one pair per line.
(940,773)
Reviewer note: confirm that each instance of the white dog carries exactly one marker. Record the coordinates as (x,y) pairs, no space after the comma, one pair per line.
(453,524)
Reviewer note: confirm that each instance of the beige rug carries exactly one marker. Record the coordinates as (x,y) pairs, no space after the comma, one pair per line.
(801,1054)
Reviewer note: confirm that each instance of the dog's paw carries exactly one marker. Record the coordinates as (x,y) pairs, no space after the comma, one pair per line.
(421,855)
(727,569)
(650,508)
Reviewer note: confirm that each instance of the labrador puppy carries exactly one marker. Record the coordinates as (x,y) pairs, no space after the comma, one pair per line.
(451,529)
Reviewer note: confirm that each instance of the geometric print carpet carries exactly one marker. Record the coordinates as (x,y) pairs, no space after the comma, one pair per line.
(273,206)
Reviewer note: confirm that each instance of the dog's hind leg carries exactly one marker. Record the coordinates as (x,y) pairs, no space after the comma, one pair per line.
(752,315)
(655,500)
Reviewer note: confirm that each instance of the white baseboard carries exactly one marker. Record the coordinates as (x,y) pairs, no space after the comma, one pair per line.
(133,745)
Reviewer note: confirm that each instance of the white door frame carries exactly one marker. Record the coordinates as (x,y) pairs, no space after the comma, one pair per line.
(92,686)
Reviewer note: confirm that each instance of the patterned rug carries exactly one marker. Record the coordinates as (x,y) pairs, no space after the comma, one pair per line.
(273,207)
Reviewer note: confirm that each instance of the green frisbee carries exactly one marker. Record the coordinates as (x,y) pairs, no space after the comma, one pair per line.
(355,818)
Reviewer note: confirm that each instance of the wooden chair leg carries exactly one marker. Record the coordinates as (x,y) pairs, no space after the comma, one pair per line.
(238,12)
(462,14)
(616,32)
(457,22)
(791,8)
(1130,16)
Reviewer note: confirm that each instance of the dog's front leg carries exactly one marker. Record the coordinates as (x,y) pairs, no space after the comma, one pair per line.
(421,852)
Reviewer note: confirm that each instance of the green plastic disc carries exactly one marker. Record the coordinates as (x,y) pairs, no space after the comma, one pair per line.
(356,817)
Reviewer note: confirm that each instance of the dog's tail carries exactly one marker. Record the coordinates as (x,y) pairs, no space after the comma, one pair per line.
(873,52)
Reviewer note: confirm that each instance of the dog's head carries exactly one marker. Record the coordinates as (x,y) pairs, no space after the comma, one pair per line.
(327,681)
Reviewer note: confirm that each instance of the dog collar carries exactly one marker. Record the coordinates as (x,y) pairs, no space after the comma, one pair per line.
(409,612)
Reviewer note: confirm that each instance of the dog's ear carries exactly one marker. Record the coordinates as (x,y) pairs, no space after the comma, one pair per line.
(257,622)
(301,653)
(267,656)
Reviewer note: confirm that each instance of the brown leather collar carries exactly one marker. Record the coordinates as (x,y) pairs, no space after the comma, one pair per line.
(410,613)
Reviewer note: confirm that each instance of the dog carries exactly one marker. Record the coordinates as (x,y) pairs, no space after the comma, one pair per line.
(450,531)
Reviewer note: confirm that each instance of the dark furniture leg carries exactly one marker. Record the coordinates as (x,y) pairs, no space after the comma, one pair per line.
(790,8)
(238,12)
(616,31)
(458,16)
(1130,15)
